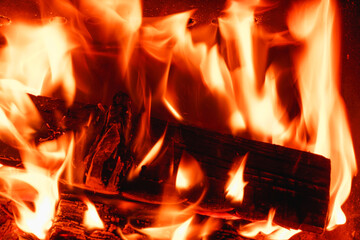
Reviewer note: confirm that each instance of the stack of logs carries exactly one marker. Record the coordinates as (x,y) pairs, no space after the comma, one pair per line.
(294,183)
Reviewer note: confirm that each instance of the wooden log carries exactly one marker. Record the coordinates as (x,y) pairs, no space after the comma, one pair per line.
(58,119)
(102,158)
(110,158)
(119,224)
(295,183)
(68,222)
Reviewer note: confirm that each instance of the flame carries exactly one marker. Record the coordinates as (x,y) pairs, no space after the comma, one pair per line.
(317,70)
(116,21)
(271,231)
(176,231)
(36,59)
(220,74)
(91,217)
(172,110)
(150,156)
(236,184)
(40,58)
(189,172)
(34,190)
(181,232)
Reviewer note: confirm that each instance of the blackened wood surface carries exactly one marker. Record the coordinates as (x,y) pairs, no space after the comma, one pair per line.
(110,157)
(102,133)
(295,183)
(58,119)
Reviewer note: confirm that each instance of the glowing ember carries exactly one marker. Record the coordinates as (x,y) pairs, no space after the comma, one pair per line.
(91,217)
(236,185)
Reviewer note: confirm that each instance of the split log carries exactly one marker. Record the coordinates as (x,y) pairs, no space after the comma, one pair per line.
(58,119)
(102,158)
(68,222)
(110,158)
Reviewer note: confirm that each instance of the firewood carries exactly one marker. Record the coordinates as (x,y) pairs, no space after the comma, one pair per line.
(295,183)
(57,119)
(103,158)
(110,154)
(68,222)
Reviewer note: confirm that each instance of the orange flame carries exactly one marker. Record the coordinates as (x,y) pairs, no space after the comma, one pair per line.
(91,217)
(181,232)
(317,69)
(172,110)
(40,58)
(39,68)
(34,189)
(229,67)
(150,156)
(271,231)
(189,172)
(236,184)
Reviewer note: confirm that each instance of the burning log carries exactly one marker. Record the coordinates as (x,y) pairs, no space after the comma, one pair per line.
(110,151)
(294,183)
(68,222)
(103,148)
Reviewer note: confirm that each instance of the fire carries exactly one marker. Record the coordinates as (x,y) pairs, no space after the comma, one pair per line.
(34,189)
(187,229)
(317,70)
(174,232)
(272,231)
(91,217)
(40,58)
(150,156)
(225,80)
(172,110)
(236,184)
(35,59)
(189,172)
(181,232)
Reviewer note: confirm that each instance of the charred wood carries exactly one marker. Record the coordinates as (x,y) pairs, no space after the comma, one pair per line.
(68,222)
(102,157)
(109,158)
(295,183)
